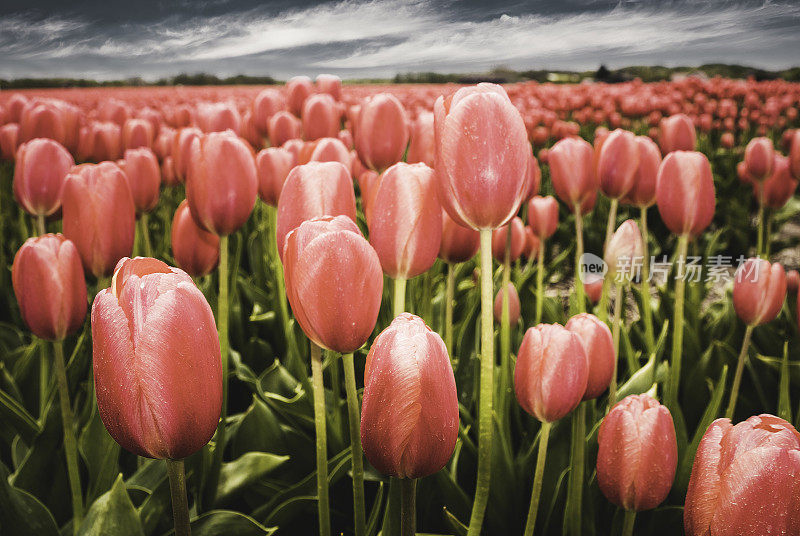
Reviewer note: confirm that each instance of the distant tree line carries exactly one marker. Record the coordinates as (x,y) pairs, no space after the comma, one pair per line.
(198,79)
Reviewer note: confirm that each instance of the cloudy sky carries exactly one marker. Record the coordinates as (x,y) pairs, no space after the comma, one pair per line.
(108,39)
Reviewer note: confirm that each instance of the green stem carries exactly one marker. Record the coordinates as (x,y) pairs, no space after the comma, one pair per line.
(536,492)
(486,389)
(540,282)
(353,415)
(44,378)
(612,220)
(574,509)
(399,301)
(70,445)
(760,244)
(408,506)
(737,378)
(612,388)
(448,310)
(297,368)
(41,228)
(180,505)
(506,372)
(677,327)
(647,308)
(628,522)
(144,228)
(768,234)
(578,254)
(322,441)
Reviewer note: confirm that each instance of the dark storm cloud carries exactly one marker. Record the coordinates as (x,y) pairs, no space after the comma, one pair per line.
(152,38)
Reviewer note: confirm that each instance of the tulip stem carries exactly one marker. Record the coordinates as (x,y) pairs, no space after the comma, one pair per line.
(578,254)
(760,239)
(486,389)
(628,522)
(145,230)
(70,446)
(539,282)
(353,415)
(574,508)
(647,311)
(222,328)
(408,506)
(612,388)
(399,301)
(44,378)
(768,234)
(448,310)
(677,326)
(737,378)
(41,228)
(180,505)
(504,389)
(612,220)
(536,492)
(280,287)
(322,441)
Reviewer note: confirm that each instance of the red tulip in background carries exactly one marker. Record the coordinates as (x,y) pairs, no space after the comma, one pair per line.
(273,166)
(320,117)
(409,418)
(759,289)
(572,172)
(382,131)
(593,285)
(157,367)
(551,373)
(334,282)
(421,148)
(222,183)
(182,150)
(514,305)
(266,104)
(599,346)
(794,155)
(500,237)
(534,177)
(283,127)
(328,150)
(624,251)
(39,173)
(9,141)
(543,216)
(48,282)
(643,191)
(792,281)
(638,453)
(137,133)
(144,177)
(677,133)
(779,187)
(482,156)
(406,224)
(298,89)
(745,479)
(314,190)
(459,244)
(617,163)
(330,84)
(759,156)
(685,192)
(99,215)
(195,250)
(532,244)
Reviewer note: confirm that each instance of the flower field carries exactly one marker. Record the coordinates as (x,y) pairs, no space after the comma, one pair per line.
(332,309)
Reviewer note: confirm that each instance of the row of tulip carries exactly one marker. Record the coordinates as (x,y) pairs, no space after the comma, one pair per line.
(161,363)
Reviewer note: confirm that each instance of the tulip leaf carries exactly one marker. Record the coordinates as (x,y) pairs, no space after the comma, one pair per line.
(640,381)
(226,523)
(101,453)
(112,513)
(784,403)
(21,514)
(14,415)
(246,470)
(375,511)
(459,527)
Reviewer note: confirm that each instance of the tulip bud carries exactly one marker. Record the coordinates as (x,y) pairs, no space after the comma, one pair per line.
(779,187)
(168,172)
(617,163)
(47,276)
(9,141)
(599,346)
(314,190)
(273,166)
(99,215)
(643,191)
(759,156)
(685,192)
(794,155)
(727,140)
(41,119)
(41,167)
(330,150)
(422,148)
(333,282)
(482,154)
(534,177)
(406,224)
(500,239)
(137,133)
(676,133)
(745,479)
(381,135)
(283,127)
(320,117)
(222,183)
(572,172)
(330,84)
(266,104)
(638,453)
(593,285)
(543,216)
(513,305)
(182,150)
(409,418)
(532,244)
(144,177)
(551,372)
(624,250)
(157,367)
(792,281)
(459,244)
(218,117)
(298,89)
(759,289)
(195,250)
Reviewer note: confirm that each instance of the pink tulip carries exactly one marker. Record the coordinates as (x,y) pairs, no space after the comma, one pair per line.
(459,244)
(382,131)
(283,127)
(677,133)
(617,163)
(625,250)
(320,117)
(144,177)
(514,305)
(39,173)
(759,156)
(543,216)
(572,172)
(643,192)
(196,251)
(273,166)
(759,289)
(599,346)
(298,89)
(685,192)
(422,146)
(500,239)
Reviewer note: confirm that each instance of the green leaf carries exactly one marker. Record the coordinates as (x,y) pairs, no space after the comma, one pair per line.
(101,453)
(460,528)
(228,523)
(784,403)
(113,513)
(14,415)
(21,514)
(248,469)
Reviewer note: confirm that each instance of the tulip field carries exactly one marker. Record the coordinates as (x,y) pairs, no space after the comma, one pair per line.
(330,309)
